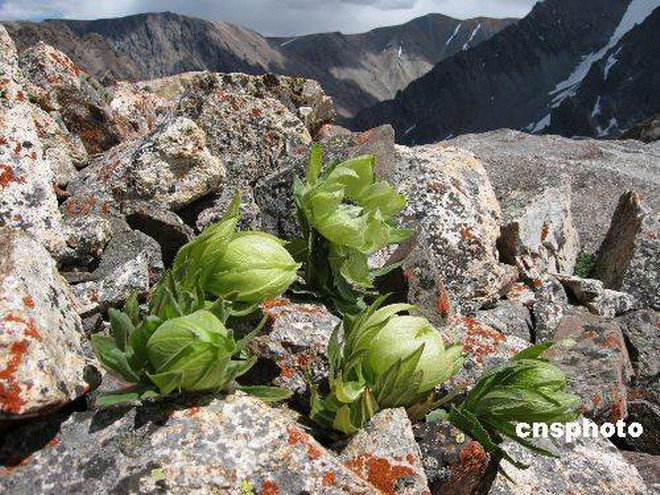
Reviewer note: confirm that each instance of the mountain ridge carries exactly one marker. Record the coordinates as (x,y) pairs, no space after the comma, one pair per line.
(357,70)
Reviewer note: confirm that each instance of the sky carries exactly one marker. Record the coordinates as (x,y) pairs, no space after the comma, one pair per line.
(272,17)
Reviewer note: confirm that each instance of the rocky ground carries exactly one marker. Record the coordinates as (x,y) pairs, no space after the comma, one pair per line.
(101,185)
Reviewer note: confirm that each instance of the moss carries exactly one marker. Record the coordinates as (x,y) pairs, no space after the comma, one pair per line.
(584,266)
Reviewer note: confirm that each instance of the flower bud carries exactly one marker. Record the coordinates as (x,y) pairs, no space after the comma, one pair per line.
(254,266)
(402,336)
(190,353)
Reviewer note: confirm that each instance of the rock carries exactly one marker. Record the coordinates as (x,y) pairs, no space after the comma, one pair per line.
(521,293)
(628,258)
(586,465)
(451,201)
(547,316)
(640,329)
(454,463)
(62,88)
(171,167)
(509,318)
(538,233)
(385,454)
(44,361)
(86,238)
(293,347)
(64,152)
(648,467)
(163,225)
(131,263)
(137,110)
(232,445)
(591,351)
(582,290)
(27,200)
(483,348)
(612,303)
(646,413)
(600,170)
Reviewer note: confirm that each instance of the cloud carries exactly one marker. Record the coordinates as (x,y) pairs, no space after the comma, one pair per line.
(273,17)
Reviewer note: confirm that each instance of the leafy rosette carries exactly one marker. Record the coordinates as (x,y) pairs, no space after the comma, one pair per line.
(345,215)
(193,352)
(382,360)
(525,389)
(239,267)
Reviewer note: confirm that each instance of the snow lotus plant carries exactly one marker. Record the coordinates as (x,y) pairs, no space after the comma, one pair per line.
(241,268)
(382,360)
(525,389)
(345,215)
(194,352)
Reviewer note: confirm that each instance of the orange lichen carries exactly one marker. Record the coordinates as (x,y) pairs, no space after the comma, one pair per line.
(613,343)
(299,437)
(30,327)
(545,231)
(10,390)
(442,303)
(269,488)
(7,176)
(329,478)
(481,340)
(28,301)
(379,472)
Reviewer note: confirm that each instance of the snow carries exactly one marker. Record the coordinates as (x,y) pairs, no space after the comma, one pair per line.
(400,51)
(410,129)
(604,132)
(597,109)
(288,41)
(611,60)
(540,125)
(637,12)
(458,28)
(474,33)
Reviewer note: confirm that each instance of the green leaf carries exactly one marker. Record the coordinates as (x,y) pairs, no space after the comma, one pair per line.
(132,308)
(315,164)
(437,415)
(117,398)
(112,358)
(533,352)
(342,421)
(122,326)
(139,338)
(266,394)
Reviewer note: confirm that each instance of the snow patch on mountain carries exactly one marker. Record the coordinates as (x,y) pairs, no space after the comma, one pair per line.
(474,33)
(451,38)
(637,12)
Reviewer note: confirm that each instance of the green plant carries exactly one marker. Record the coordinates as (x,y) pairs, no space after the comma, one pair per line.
(345,215)
(584,265)
(382,360)
(193,352)
(525,389)
(241,268)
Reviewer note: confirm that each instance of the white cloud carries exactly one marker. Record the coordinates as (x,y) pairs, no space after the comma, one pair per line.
(273,17)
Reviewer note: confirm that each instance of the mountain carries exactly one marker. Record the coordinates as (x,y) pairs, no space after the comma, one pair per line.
(357,70)
(543,74)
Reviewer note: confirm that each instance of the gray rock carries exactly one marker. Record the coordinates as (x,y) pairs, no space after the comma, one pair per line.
(454,463)
(171,167)
(386,454)
(232,445)
(508,317)
(547,316)
(582,290)
(163,225)
(641,329)
(451,201)
(648,467)
(295,343)
(63,89)
(600,172)
(612,303)
(44,359)
(591,351)
(628,258)
(646,413)
(586,465)
(131,263)
(86,238)
(538,233)
(483,348)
